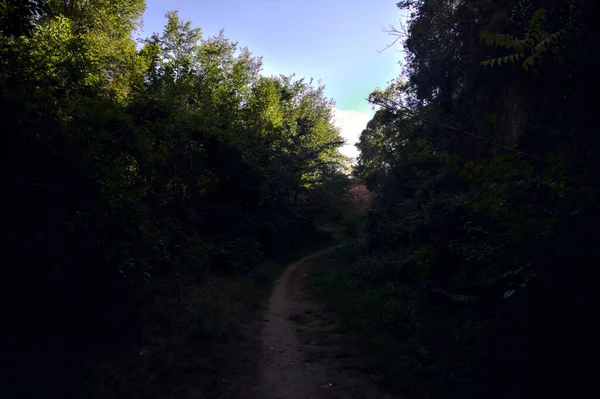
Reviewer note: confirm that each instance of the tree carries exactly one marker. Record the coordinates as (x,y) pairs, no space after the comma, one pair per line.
(479,174)
(130,175)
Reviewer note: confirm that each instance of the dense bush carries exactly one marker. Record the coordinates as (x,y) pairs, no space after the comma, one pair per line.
(131,177)
(474,275)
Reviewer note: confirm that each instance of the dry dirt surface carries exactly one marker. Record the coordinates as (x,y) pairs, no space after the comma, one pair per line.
(301,350)
(359,197)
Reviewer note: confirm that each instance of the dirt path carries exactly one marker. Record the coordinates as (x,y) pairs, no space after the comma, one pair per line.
(301,350)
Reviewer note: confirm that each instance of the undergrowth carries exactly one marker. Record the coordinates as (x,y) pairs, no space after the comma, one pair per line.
(356,307)
(190,350)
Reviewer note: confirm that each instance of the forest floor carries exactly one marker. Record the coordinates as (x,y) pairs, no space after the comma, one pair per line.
(297,351)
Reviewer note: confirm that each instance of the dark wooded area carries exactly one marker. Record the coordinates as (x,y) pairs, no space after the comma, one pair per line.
(149,190)
(132,177)
(474,273)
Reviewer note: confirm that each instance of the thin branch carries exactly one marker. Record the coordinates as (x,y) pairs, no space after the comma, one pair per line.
(401,34)
(398,109)
(389,45)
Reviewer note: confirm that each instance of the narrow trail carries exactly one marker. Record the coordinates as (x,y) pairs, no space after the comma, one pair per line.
(301,350)
(294,351)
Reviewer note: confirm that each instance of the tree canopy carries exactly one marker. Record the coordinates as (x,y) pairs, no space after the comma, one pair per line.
(477,255)
(130,170)
(134,175)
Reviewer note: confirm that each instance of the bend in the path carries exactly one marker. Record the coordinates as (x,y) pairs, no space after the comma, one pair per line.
(287,369)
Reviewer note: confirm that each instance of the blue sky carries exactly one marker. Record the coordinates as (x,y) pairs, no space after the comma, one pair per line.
(336,41)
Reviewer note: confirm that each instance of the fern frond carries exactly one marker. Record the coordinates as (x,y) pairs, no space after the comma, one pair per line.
(512,59)
(536,42)
(545,43)
(536,25)
(529,62)
(499,40)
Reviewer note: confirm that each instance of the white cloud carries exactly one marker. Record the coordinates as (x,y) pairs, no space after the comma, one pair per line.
(351,124)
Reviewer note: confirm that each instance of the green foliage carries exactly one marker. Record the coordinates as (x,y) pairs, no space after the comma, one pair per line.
(17,16)
(132,178)
(533,46)
(472,274)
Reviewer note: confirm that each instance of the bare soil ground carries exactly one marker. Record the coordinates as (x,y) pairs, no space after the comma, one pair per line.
(360,198)
(301,350)
(299,353)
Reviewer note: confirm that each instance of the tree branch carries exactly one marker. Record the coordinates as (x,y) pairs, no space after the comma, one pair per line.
(397,109)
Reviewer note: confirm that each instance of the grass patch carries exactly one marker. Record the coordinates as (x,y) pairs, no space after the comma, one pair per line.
(413,347)
(196,338)
(185,354)
(359,310)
